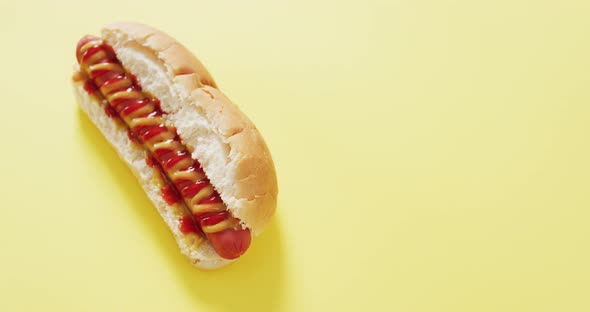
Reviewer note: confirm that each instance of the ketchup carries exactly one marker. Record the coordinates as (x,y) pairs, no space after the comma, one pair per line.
(90,87)
(130,134)
(143,115)
(149,160)
(169,194)
(110,111)
(187,225)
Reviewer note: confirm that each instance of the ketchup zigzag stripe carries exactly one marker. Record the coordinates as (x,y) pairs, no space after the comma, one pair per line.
(144,118)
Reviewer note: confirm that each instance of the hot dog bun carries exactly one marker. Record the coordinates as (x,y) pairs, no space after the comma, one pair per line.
(230,149)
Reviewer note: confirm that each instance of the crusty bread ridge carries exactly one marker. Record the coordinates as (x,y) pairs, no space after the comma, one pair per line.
(230,149)
(202,256)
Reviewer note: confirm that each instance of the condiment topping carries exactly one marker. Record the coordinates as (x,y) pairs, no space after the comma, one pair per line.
(184,181)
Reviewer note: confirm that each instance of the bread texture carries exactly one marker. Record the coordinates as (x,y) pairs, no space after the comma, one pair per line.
(230,149)
(228,146)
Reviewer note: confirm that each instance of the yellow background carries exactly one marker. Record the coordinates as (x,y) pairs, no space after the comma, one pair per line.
(431,155)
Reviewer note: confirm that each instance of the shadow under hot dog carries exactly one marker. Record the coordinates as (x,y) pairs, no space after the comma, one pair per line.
(253,283)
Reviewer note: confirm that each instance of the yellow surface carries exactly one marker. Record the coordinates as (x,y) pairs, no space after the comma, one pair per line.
(432,156)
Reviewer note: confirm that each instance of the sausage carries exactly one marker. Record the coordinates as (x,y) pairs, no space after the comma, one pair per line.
(185,183)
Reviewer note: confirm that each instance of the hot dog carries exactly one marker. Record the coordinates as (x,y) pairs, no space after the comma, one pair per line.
(202,162)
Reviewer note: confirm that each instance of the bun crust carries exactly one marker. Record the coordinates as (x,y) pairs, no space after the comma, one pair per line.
(230,149)
(226,143)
